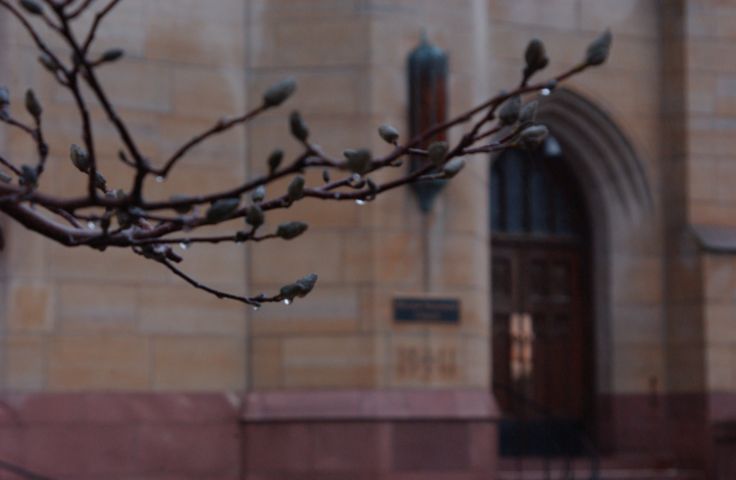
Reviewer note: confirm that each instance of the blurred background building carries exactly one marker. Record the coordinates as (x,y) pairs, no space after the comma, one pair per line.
(596,280)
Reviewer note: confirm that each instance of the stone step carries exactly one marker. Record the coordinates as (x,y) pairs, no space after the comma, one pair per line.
(557,473)
(617,467)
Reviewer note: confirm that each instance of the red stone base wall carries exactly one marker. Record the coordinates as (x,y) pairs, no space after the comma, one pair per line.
(121,437)
(370,436)
(350,435)
(319,435)
(688,431)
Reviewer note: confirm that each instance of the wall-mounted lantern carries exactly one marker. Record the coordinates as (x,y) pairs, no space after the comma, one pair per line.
(427,71)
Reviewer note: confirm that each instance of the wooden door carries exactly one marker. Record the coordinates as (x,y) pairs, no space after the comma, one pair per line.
(541,283)
(542,326)
(540,342)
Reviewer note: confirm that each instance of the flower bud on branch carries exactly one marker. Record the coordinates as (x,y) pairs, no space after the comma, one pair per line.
(32,6)
(599,49)
(258,194)
(510,111)
(79,158)
(291,230)
(296,189)
(48,62)
(536,58)
(298,127)
(358,161)
(255,217)
(33,106)
(532,137)
(529,112)
(389,134)
(300,288)
(4,97)
(28,176)
(222,209)
(111,55)
(437,152)
(274,160)
(279,93)
(453,167)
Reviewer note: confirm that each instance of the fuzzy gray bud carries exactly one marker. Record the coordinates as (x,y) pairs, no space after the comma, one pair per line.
(5,178)
(359,160)
(529,112)
(100,181)
(4,102)
(4,97)
(307,283)
(437,152)
(112,55)
(32,104)
(326,175)
(274,160)
(79,158)
(453,167)
(535,56)
(510,111)
(48,62)
(124,218)
(296,188)
(32,7)
(289,292)
(222,209)
(389,134)
(279,93)
(291,230)
(598,50)
(181,208)
(298,127)
(28,176)
(255,217)
(258,194)
(300,288)
(532,137)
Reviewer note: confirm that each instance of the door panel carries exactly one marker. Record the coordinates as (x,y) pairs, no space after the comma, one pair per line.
(543,283)
(503,278)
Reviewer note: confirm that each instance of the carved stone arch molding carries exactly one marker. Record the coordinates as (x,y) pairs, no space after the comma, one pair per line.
(599,152)
(619,201)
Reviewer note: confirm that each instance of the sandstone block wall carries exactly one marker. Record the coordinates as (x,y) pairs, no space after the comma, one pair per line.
(78,320)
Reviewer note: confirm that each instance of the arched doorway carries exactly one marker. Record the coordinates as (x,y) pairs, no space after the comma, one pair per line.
(543,330)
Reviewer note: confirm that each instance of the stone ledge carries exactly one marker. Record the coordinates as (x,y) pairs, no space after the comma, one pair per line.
(369,405)
(129,408)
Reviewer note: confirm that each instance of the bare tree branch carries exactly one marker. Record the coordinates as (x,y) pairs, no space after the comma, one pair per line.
(101,218)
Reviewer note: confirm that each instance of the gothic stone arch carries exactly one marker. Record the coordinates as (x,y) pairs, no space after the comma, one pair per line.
(626,251)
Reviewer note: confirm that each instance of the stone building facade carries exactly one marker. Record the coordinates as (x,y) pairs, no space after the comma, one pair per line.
(112,368)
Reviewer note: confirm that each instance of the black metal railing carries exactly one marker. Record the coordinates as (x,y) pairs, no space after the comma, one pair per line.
(539,434)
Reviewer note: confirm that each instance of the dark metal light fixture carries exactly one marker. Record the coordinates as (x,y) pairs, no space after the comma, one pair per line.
(428,99)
